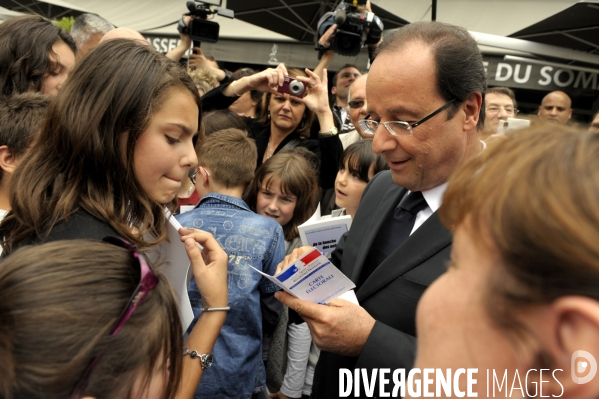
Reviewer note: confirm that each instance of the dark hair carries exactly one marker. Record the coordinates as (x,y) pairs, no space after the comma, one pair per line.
(21,117)
(222,119)
(360,158)
(336,76)
(305,125)
(297,178)
(231,157)
(109,98)
(534,200)
(310,156)
(241,72)
(58,303)
(25,48)
(505,91)
(459,63)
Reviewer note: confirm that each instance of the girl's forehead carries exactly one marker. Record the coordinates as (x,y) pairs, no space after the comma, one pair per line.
(270,180)
(274,183)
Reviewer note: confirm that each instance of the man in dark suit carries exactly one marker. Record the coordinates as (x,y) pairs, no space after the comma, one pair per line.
(425,102)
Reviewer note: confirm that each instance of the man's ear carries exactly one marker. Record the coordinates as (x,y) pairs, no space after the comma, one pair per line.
(471,108)
(333,90)
(576,346)
(8,162)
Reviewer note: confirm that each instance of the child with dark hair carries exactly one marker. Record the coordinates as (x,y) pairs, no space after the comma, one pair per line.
(20,121)
(35,55)
(227,160)
(358,165)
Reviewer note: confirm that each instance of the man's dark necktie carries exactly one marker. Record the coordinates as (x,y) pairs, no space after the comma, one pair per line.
(393,232)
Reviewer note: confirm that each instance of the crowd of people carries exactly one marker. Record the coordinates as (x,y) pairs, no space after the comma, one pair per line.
(471,246)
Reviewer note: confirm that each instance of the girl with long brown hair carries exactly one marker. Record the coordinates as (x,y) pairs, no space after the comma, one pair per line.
(114,148)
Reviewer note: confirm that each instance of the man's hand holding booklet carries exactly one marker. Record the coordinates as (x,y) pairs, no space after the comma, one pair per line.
(314,278)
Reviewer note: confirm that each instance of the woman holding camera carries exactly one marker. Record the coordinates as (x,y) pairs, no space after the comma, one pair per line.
(286,120)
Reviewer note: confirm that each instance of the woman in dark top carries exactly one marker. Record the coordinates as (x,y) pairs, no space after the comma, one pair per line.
(286,121)
(114,147)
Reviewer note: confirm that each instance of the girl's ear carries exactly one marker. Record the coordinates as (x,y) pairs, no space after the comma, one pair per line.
(8,162)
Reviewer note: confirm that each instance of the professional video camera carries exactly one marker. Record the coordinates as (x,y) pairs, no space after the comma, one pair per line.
(354,29)
(200,29)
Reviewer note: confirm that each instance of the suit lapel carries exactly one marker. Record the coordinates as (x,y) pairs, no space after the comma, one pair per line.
(429,239)
(377,216)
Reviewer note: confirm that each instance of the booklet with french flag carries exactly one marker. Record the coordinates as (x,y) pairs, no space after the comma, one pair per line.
(312,277)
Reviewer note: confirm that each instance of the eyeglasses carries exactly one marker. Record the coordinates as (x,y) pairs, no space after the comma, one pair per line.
(147,283)
(192,177)
(495,110)
(399,128)
(356,104)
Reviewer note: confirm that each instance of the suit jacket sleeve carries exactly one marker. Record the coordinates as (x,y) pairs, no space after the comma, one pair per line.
(387,347)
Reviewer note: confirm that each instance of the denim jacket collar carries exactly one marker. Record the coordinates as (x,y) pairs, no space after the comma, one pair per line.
(234,201)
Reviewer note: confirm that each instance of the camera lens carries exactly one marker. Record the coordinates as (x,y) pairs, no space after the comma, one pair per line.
(296,87)
(347,43)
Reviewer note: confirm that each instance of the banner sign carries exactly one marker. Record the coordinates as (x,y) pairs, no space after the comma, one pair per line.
(516,74)
(500,72)
(164,44)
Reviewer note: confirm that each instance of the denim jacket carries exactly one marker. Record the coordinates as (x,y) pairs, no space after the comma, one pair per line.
(248,239)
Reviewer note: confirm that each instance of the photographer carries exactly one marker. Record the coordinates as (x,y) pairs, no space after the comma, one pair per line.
(286,121)
(345,76)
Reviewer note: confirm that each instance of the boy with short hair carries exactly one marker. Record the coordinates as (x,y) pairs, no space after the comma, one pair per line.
(227,160)
(21,116)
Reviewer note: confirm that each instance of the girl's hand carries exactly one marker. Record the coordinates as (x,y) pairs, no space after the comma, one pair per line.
(209,266)
(317,99)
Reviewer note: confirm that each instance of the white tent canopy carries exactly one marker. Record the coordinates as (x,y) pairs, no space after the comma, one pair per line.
(488,16)
(244,42)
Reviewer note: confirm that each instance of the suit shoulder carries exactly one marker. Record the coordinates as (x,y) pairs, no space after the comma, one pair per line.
(380,182)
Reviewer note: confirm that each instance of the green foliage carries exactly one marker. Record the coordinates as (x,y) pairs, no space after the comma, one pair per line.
(65,23)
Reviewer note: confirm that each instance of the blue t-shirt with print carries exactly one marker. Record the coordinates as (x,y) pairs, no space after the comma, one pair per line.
(248,239)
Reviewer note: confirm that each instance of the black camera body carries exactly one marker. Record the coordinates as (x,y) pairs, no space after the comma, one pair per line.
(200,29)
(292,87)
(354,29)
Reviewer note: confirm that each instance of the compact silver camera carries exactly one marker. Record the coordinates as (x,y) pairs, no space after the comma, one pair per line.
(292,87)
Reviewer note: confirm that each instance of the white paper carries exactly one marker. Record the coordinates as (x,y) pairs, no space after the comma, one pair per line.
(512,124)
(312,277)
(324,234)
(350,296)
(172,260)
